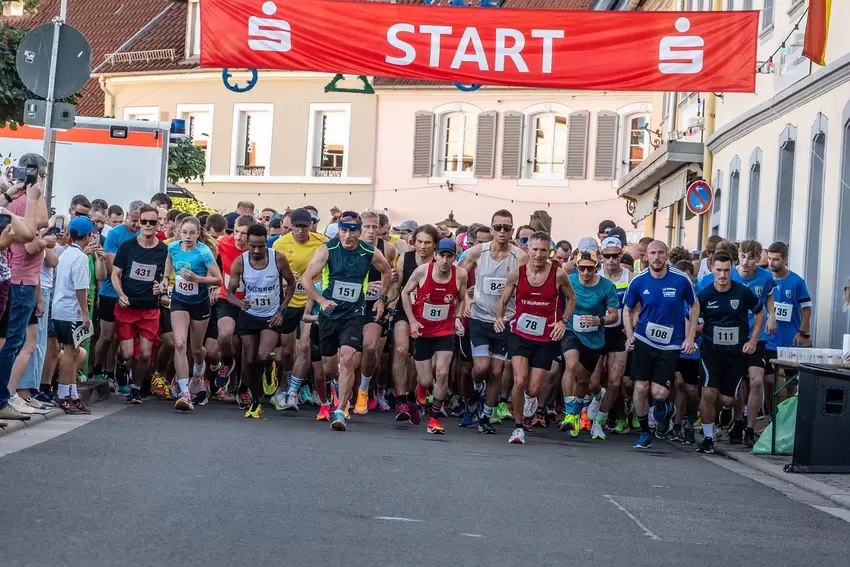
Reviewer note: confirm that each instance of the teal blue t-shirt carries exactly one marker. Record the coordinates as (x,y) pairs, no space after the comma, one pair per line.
(594,300)
(197,260)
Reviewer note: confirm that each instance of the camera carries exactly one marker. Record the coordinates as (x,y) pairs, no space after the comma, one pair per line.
(26,175)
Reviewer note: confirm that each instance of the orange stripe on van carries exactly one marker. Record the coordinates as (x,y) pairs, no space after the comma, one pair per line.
(86,136)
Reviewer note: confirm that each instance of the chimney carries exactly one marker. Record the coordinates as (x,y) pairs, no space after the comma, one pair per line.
(13,9)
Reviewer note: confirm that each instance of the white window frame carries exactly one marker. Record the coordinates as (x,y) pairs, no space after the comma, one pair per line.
(193,30)
(184,109)
(314,138)
(526,177)
(131,111)
(626,138)
(626,114)
(238,109)
(440,115)
(767,25)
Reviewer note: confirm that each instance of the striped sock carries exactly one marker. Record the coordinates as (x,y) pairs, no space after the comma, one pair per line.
(436,407)
(294,384)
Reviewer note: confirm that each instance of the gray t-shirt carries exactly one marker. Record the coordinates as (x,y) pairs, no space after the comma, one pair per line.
(490,277)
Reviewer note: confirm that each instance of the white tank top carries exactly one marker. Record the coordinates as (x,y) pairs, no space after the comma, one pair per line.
(262,287)
(490,277)
(703,269)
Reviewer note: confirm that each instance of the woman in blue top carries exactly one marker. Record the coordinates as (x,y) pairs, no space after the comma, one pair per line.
(195,270)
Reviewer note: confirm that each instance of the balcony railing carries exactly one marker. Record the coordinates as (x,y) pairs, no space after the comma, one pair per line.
(327,171)
(251,170)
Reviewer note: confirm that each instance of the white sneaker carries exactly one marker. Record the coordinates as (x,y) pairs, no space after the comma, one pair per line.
(529,407)
(19,404)
(595,404)
(596,431)
(383,405)
(279,399)
(291,402)
(518,436)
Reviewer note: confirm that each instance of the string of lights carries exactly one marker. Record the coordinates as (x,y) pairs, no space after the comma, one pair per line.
(781,47)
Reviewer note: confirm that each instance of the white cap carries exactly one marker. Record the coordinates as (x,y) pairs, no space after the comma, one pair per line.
(612,242)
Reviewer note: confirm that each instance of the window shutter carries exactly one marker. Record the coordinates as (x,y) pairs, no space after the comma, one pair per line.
(606,145)
(423,143)
(484,166)
(577,145)
(511,144)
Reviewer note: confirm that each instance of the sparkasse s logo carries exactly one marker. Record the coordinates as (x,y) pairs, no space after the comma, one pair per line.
(276,33)
(673,59)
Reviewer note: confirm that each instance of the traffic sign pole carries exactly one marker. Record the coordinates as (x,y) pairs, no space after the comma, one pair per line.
(49,142)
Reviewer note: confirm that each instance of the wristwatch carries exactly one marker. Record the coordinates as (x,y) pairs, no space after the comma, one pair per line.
(565,320)
(383,298)
(804,334)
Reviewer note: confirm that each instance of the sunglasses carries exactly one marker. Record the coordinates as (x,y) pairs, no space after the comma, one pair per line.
(610,256)
(586,268)
(79,214)
(265,219)
(523,240)
(503,227)
(148,222)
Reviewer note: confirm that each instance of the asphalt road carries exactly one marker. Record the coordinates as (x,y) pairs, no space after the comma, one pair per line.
(149,486)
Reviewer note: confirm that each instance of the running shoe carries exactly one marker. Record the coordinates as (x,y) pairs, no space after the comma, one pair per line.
(291,402)
(435,427)
(689,437)
(324,413)
(539,419)
(338,423)
(166,392)
(113,385)
(305,396)
(255,411)
(635,424)
(362,405)
(80,407)
(585,424)
(158,384)
(270,381)
(383,405)
(335,393)
(402,412)
(135,396)
(595,404)
(663,424)
(502,411)
(415,415)
(421,395)
(707,446)
(644,441)
(527,423)
(621,427)
(495,419)
(201,398)
(676,434)
(517,437)
(315,400)
(484,426)
(570,423)
(529,407)
(125,389)
(175,389)
(347,411)
(244,400)
(596,431)
(279,400)
(184,402)
(44,397)
(221,395)
(65,405)
(467,419)
(222,377)
(372,404)
(750,437)
(736,433)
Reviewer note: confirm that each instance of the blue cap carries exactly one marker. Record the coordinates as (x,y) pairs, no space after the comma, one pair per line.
(80,227)
(230,219)
(446,245)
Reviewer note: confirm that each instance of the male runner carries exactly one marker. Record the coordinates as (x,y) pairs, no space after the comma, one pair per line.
(659,295)
(493,262)
(614,350)
(344,263)
(725,306)
(374,333)
(792,306)
(230,247)
(136,272)
(298,247)
(596,305)
(538,288)
(259,272)
(440,291)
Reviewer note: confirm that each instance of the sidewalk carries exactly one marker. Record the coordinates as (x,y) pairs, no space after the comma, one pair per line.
(91,392)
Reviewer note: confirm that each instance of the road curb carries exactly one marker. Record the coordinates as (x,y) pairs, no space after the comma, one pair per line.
(91,392)
(835,495)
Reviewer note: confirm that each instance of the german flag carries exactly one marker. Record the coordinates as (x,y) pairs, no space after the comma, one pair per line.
(817,30)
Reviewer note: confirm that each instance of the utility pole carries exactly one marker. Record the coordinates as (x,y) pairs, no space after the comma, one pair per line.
(49,134)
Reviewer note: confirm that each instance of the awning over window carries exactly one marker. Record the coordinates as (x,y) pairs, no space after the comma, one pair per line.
(660,164)
(644,205)
(673,188)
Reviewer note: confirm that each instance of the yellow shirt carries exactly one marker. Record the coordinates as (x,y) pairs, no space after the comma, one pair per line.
(299,256)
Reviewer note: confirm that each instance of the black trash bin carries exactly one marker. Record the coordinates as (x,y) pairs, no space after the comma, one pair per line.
(822,434)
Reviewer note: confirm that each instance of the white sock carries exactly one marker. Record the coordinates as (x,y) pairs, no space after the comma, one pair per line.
(197,369)
(364,383)
(708,430)
(73,391)
(184,384)
(64,390)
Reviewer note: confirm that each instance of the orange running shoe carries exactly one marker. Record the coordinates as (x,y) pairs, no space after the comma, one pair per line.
(324,413)
(362,405)
(158,385)
(586,424)
(435,427)
(421,395)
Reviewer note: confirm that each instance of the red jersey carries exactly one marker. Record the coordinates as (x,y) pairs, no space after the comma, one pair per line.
(228,252)
(537,308)
(435,305)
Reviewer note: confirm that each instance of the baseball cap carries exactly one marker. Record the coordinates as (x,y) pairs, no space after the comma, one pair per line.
(301,217)
(612,242)
(588,251)
(446,245)
(605,226)
(408,225)
(619,234)
(231,220)
(80,227)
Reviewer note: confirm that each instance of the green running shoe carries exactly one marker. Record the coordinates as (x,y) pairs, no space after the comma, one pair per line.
(621,427)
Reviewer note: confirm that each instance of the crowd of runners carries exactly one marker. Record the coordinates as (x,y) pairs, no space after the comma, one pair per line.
(490,323)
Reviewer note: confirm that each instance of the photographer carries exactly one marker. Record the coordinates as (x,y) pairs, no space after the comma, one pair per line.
(21,195)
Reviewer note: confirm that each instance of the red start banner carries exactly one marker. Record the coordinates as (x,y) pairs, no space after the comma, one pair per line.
(590,50)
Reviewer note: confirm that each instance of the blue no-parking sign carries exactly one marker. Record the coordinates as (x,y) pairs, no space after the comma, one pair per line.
(699,197)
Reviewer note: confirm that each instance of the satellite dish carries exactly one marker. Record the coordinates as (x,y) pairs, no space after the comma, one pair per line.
(73,67)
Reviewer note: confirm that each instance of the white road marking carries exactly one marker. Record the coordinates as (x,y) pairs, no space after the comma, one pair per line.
(395,519)
(646,531)
(472,535)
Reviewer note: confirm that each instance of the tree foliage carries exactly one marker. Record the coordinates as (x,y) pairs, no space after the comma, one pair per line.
(186,161)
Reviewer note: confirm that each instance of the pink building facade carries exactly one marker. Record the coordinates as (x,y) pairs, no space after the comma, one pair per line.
(439,149)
